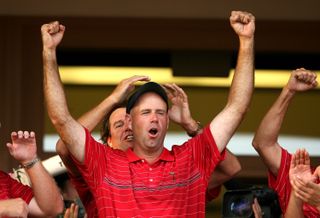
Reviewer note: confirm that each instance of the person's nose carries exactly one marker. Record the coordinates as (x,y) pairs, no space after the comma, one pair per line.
(127,127)
(154,117)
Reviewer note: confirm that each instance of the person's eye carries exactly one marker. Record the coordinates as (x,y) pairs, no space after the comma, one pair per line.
(161,112)
(119,125)
(144,112)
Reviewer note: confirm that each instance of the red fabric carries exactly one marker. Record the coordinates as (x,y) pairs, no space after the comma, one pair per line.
(124,185)
(282,186)
(11,188)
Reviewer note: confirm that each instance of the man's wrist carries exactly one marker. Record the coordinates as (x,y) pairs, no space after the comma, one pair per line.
(112,100)
(29,164)
(246,42)
(195,130)
(288,90)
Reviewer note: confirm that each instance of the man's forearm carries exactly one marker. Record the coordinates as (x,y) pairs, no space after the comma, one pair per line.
(93,117)
(225,170)
(69,130)
(53,90)
(45,190)
(242,85)
(294,207)
(192,127)
(268,131)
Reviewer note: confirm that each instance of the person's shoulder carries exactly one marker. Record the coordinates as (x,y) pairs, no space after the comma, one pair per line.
(4,175)
(178,149)
(117,151)
(116,154)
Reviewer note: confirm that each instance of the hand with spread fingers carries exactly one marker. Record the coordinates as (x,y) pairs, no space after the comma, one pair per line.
(126,86)
(300,172)
(180,111)
(299,175)
(23,147)
(308,190)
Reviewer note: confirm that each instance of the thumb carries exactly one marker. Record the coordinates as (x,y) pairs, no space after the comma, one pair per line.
(10,147)
(316,173)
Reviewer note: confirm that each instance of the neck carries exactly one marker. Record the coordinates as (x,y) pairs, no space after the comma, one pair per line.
(150,155)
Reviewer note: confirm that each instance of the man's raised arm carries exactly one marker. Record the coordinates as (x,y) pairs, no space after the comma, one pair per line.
(226,122)
(70,131)
(266,138)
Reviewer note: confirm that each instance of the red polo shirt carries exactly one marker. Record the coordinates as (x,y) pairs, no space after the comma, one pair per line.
(125,185)
(10,188)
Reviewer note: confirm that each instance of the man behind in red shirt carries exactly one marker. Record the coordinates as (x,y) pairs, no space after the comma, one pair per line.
(18,200)
(266,142)
(148,180)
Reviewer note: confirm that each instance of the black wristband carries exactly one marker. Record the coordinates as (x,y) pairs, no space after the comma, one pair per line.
(194,133)
(30,164)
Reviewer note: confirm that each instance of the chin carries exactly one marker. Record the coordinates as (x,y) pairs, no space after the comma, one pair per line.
(153,145)
(128,145)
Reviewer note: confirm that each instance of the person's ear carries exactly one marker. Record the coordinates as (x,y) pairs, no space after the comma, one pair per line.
(109,141)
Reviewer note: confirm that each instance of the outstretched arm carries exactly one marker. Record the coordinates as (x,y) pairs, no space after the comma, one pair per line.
(226,122)
(266,138)
(70,131)
(93,117)
(294,208)
(47,200)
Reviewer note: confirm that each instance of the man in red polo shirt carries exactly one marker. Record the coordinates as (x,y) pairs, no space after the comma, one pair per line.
(116,134)
(149,180)
(18,200)
(265,141)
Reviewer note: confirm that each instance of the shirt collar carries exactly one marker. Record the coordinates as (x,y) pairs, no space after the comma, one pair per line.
(166,155)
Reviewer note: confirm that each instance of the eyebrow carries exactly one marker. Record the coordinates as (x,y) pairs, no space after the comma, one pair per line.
(161,110)
(118,122)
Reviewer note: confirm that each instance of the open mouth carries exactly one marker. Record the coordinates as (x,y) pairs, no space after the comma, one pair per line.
(153,131)
(129,138)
